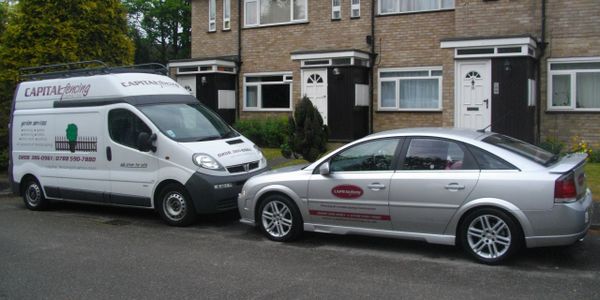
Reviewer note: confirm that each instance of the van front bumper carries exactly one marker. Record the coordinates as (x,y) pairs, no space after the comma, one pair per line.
(212,194)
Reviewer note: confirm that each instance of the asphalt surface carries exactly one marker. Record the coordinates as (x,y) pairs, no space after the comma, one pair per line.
(89,252)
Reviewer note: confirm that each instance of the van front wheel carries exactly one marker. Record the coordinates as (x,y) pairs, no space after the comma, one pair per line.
(33,196)
(175,206)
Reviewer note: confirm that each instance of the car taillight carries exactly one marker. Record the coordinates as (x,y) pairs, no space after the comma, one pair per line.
(565,189)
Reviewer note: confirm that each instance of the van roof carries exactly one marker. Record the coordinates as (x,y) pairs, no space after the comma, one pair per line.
(44,93)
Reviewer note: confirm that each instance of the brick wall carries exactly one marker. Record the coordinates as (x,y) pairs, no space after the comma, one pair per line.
(573,30)
(413,40)
(478,18)
(218,43)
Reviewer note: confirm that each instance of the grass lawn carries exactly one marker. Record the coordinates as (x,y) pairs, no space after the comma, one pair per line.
(592,171)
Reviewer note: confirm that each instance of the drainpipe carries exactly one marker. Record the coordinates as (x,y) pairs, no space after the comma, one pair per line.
(238,62)
(542,46)
(372,66)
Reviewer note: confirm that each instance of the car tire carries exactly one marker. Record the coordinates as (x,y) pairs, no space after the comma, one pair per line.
(490,235)
(175,206)
(33,195)
(279,219)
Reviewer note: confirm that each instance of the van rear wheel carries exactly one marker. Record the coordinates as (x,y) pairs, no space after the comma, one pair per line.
(175,206)
(33,196)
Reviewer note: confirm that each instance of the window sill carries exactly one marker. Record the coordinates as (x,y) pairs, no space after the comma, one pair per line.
(267,110)
(410,110)
(414,12)
(226,30)
(573,111)
(275,25)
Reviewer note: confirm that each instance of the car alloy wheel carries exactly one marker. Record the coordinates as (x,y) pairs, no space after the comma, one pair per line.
(277,219)
(489,237)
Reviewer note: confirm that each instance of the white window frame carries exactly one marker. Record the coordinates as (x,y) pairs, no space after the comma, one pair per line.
(226,11)
(287,79)
(259,24)
(573,76)
(336,8)
(353,7)
(397,81)
(412,11)
(212,18)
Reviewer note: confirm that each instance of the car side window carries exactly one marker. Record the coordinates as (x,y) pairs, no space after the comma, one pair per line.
(370,156)
(488,161)
(436,154)
(124,127)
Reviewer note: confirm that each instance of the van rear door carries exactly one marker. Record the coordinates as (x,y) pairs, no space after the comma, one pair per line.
(132,172)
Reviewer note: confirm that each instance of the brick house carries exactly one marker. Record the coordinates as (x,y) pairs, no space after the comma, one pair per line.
(530,69)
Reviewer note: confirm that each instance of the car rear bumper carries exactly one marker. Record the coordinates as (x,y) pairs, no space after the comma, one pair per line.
(570,222)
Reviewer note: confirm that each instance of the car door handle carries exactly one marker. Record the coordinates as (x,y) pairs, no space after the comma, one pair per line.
(454,187)
(376,186)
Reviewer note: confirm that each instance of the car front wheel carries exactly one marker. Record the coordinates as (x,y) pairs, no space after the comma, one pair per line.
(280,219)
(490,235)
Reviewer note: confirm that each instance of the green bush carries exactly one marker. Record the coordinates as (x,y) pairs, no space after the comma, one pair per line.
(308,136)
(553,145)
(265,132)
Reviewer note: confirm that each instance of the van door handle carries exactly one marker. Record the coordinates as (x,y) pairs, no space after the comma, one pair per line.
(487,103)
(108,154)
(454,187)
(376,186)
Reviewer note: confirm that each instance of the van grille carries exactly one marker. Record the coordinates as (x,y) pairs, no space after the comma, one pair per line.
(243,167)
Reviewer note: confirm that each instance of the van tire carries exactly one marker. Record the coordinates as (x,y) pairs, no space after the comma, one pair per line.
(33,195)
(175,206)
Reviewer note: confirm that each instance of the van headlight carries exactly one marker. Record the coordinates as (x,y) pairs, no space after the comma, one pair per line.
(206,161)
(263,159)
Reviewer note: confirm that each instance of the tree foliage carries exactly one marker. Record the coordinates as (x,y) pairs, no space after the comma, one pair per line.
(161,29)
(40,32)
(308,136)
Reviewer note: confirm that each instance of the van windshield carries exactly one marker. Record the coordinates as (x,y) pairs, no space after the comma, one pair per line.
(187,122)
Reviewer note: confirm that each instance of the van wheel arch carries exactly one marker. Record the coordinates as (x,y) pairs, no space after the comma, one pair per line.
(161,186)
(24,181)
(32,193)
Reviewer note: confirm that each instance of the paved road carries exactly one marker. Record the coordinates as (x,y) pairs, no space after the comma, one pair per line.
(89,252)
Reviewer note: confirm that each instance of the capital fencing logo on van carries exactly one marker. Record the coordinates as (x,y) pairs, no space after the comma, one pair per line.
(72,142)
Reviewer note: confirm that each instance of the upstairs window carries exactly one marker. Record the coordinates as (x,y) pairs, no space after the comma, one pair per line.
(336,9)
(226,14)
(354,8)
(574,84)
(212,15)
(273,12)
(405,6)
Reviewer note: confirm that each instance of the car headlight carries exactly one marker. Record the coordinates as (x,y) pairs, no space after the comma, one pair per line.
(206,161)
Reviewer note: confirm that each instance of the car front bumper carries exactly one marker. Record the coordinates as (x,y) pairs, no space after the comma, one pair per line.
(565,224)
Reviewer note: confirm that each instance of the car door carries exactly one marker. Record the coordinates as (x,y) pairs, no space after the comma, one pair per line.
(132,172)
(355,192)
(434,178)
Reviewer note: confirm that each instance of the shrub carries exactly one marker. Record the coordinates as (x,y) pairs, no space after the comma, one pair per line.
(552,145)
(264,132)
(308,136)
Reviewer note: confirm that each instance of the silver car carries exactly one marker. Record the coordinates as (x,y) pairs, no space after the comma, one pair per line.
(486,192)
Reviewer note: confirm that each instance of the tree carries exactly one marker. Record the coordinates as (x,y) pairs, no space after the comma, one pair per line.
(161,29)
(308,135)
(40,32)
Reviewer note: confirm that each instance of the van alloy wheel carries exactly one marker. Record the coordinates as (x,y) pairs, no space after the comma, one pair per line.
(174,206)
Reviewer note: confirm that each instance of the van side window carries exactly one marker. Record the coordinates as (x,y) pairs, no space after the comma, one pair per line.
(124,127)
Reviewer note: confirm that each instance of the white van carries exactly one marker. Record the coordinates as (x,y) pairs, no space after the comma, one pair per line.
(126,139)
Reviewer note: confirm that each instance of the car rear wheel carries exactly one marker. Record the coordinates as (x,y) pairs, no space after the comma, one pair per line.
(490,235)
(280,219)
(175,206)
(33,196)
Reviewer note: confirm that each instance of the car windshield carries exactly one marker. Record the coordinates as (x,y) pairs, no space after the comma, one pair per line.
(521,148)
(187,122)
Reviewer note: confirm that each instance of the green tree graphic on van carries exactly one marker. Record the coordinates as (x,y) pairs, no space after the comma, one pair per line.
(72,136)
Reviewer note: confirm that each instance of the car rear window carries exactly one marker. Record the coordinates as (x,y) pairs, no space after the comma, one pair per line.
(524,149)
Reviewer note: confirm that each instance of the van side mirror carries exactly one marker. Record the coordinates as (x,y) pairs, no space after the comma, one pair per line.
(145,142)
(324,169)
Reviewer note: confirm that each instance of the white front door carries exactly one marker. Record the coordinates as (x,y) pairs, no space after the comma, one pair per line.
(314,86)
(473,94)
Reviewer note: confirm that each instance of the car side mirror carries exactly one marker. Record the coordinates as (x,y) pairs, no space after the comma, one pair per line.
(324,169)
(145,142)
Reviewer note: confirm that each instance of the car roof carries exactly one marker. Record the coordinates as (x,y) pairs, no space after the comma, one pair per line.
(456,133)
